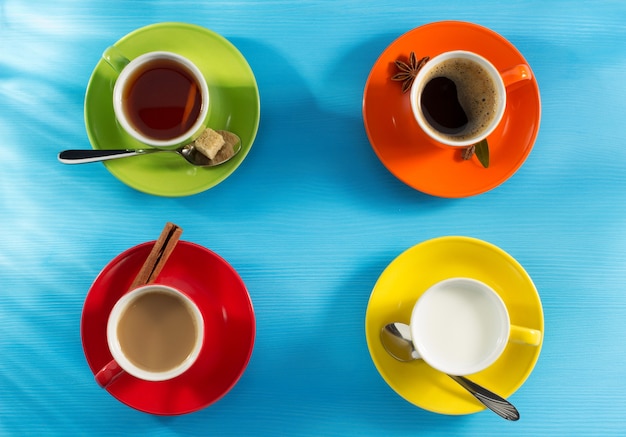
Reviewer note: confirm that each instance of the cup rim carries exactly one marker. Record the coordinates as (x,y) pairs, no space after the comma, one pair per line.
(502,338)
(118,107)
(115,346)
(416,89)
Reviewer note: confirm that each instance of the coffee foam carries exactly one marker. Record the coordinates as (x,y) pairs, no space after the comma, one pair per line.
(477,94)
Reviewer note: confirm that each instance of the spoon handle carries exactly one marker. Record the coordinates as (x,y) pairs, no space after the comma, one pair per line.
(495,403)
(90,155)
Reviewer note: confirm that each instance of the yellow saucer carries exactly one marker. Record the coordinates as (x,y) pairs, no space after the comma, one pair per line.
(408,276)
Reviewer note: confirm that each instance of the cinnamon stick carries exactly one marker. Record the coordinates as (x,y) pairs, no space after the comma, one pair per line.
(158,256)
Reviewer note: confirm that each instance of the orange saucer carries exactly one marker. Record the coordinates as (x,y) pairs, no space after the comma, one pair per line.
(412,156)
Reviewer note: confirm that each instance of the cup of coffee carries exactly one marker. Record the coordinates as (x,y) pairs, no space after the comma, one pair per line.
(458,98)
(154,333)
(160,98)
(461,326)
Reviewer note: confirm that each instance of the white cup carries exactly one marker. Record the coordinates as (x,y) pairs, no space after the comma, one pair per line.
(158,131)
(483,118)
(461,326)
(150,315)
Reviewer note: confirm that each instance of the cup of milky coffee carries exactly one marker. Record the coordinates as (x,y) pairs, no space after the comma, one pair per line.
(159,98)
(154,332)
(458,98)
(461,326)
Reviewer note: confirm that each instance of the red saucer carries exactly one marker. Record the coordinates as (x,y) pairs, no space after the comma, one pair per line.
(409,153)
(229,334)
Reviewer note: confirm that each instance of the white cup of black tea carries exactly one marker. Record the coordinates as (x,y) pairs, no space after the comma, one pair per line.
(458,98)
(160,98)
(154,333)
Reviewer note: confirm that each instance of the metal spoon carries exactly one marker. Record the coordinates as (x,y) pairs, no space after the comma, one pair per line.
(231,147)
(396,339)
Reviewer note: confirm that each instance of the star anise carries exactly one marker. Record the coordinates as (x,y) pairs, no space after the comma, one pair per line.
(408,70)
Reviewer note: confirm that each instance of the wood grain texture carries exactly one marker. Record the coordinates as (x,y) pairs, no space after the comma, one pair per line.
(311,218)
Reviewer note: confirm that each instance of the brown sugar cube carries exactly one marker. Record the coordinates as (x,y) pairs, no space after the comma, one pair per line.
(209,143)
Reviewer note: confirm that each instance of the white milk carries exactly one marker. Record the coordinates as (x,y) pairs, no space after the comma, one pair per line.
(459,326)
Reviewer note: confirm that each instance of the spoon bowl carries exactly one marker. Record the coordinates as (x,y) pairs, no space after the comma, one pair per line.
(192,155)
(396,339)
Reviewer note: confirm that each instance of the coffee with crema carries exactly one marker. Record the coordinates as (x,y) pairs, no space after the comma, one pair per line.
(459,99)
(157,331)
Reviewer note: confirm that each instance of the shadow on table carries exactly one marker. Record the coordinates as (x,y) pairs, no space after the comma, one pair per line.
(311,141)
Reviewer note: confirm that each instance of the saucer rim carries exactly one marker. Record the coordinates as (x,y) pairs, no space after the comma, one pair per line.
(121,393)
(440,384)
(187,180)
(401,170)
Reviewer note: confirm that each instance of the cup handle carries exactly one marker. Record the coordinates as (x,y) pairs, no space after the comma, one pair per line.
(523,335)
(518,73)
(108,374)
(115,58)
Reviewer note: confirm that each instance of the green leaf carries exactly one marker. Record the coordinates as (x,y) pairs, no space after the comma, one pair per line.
(482,152)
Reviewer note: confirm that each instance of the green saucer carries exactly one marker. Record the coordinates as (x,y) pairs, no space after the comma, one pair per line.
(234,106)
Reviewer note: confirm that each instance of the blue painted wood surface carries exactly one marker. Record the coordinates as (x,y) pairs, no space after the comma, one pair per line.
(311,218)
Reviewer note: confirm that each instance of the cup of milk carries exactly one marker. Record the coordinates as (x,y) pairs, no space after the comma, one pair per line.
(461,326)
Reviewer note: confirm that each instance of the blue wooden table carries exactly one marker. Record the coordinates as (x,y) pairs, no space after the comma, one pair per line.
(311,217)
